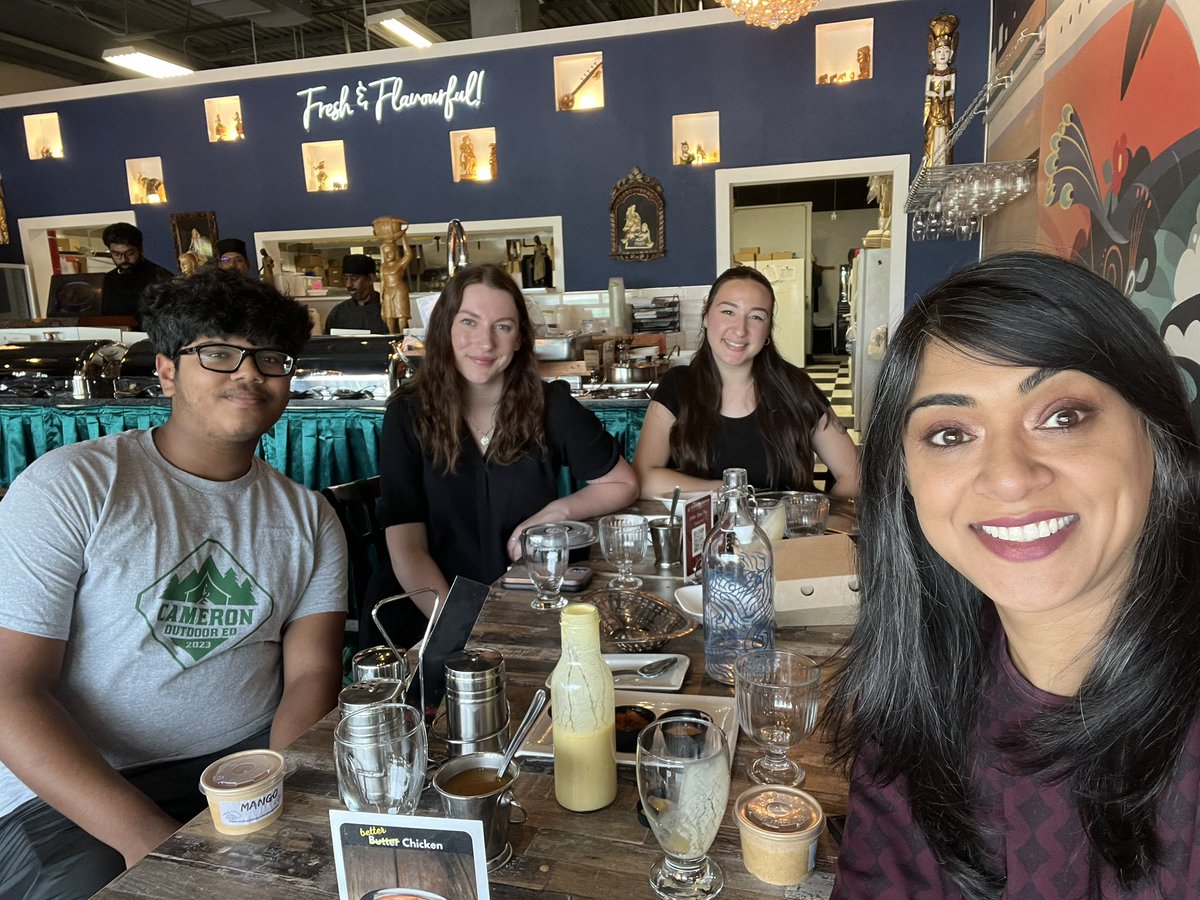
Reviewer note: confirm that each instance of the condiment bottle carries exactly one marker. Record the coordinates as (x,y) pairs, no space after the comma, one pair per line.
(583,709)
(739,583)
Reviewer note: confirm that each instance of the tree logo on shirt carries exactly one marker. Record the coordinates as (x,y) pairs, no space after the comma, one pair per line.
(206,601)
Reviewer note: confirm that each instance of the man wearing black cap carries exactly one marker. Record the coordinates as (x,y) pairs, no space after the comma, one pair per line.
(363,310)
(231,255)
(133,273)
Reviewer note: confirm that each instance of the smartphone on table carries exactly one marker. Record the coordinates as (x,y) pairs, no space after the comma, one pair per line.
(517,579)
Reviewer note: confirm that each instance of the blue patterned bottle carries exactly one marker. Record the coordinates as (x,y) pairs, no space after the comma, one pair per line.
(739,583)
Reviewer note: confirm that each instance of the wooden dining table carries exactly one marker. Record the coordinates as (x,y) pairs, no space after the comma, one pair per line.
(556,854)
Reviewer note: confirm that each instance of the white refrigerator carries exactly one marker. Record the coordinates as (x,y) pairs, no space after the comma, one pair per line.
(869,301)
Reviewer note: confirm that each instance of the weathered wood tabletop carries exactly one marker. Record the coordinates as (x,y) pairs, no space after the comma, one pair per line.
(556,854)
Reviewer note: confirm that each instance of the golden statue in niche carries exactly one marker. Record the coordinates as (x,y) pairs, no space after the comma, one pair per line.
(466,159)
(939,89)
(220,129)
(864,62)
(237,126)
(492,166)
(396,309)
(321,175)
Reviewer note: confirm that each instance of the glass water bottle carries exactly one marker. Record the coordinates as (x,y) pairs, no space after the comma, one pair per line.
(739,583)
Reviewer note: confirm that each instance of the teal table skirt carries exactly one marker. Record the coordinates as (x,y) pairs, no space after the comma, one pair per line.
(316,447)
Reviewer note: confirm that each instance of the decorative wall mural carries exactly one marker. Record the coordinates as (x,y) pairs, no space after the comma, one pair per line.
(1120,176)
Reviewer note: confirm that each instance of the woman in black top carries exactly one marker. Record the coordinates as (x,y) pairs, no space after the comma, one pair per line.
(740,404)
(473,445)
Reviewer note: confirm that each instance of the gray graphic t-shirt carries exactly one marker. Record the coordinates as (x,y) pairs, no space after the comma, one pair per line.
(172,593)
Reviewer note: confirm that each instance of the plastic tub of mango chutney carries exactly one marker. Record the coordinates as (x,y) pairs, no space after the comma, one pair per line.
(779,827)
(244,790)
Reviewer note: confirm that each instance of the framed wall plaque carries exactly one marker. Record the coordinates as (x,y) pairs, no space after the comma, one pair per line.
(636,218)
(195,232)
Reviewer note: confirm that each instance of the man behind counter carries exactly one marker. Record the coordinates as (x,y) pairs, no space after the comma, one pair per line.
(231,255)
(363,310)
(167,598)
(133,273)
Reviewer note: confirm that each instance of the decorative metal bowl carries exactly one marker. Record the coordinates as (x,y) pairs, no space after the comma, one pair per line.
(637,622)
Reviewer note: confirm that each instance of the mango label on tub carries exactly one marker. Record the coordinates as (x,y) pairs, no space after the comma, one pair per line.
(247,812)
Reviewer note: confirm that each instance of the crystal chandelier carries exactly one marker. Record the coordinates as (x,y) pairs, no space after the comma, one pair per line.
(769,13)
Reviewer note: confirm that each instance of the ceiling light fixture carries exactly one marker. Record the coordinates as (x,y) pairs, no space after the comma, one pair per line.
(769,13)
(143,63)
(401,29)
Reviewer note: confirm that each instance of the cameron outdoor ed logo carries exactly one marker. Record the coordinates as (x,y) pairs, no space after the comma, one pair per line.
(208,600)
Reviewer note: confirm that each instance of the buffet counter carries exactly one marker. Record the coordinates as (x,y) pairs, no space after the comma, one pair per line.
(317,443)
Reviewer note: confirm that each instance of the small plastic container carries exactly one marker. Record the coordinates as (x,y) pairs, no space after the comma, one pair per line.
(244,790)
(779,827)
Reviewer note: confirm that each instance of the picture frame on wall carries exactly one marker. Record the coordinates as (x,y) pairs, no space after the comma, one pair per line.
(194,232)
(637,220)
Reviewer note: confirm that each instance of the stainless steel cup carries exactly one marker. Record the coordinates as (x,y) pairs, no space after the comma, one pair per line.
(666,534)
(476,702)
(493,809)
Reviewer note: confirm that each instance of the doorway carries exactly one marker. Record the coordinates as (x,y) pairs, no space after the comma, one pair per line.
(825,170)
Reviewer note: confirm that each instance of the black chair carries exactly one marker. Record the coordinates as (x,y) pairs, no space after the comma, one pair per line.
(354,504)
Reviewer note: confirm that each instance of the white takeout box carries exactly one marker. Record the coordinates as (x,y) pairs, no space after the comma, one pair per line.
(816,581)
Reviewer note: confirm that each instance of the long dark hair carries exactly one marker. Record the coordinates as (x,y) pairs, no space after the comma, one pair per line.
(441,390)
(786,397)
(917,662)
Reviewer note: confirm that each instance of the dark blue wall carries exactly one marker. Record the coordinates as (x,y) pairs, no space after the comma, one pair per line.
(550,163)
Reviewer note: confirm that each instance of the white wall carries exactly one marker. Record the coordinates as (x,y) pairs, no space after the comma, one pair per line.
(830,242)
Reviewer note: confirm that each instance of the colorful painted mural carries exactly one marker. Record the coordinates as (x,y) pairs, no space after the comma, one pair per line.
(1120,176)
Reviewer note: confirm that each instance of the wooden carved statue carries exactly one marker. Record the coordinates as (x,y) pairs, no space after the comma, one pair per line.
(396,310)
(939,89)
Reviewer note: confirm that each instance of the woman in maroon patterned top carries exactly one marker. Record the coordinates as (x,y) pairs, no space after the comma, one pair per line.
(1020,695)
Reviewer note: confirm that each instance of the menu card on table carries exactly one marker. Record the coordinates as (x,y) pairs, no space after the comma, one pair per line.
(408,857)
(697,520)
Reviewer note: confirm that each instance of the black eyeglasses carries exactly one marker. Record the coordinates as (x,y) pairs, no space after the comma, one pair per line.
(227,358)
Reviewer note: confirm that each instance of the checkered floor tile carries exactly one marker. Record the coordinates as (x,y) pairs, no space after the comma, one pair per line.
(832,376)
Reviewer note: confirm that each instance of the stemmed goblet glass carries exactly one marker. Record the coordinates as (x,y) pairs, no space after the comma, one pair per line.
(623,542)
(776,696)
(683,780)
(545,550)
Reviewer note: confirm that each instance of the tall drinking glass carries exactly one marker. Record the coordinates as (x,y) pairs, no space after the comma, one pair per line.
(545,551)
(776,695)
(380,753)
(623,542)
(683,780)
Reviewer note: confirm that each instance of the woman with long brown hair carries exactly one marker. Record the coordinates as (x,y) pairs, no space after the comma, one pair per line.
(473,445)
(741,404)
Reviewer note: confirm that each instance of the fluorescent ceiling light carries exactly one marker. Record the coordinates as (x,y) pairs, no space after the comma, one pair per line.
(399,26)
(143,63)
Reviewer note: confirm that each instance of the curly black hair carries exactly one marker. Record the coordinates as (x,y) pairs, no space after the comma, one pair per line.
(219,304)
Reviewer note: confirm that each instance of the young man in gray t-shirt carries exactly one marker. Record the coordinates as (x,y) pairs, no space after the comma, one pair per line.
(167,597)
